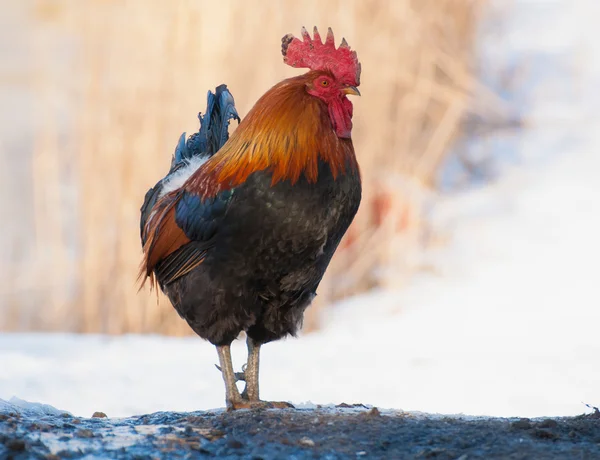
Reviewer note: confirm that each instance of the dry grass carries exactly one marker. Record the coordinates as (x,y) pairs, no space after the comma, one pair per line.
(127,77)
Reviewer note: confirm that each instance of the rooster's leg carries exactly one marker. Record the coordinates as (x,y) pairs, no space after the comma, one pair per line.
(232,394)
(250,394)
(251,372)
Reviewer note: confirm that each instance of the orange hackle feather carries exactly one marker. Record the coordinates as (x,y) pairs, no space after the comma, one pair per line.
(286,132)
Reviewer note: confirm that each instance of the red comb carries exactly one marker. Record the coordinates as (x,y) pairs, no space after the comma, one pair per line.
(315,55)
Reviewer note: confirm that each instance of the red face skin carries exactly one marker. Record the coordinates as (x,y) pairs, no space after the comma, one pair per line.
(332,92)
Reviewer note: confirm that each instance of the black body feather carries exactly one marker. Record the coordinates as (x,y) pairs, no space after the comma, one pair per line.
(264,264)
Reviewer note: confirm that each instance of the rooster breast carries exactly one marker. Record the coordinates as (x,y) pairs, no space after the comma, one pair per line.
(270,253)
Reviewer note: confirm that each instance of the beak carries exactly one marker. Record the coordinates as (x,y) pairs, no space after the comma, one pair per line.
(352,90)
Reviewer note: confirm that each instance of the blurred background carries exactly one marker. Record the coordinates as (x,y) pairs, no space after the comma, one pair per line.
(473,254)
(98,92)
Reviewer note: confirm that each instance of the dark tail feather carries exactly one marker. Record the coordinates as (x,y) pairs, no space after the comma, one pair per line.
(224,111)
(213,133)
(180,151)
(214,124)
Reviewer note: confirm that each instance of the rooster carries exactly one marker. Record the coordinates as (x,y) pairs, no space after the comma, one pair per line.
(240,232)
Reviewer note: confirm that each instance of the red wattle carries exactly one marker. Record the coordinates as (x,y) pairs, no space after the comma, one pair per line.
(340,112)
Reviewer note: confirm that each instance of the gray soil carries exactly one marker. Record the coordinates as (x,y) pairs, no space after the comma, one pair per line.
(332,433)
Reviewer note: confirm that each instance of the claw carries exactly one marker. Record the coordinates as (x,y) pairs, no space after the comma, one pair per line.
(239,376)
(236,405)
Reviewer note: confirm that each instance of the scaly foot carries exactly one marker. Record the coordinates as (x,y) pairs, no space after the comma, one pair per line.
(244,404)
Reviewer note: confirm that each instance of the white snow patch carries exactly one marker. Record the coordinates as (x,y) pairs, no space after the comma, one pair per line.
(27,408)
(107,437)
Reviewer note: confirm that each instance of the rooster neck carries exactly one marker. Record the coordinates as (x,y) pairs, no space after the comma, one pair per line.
(287,132)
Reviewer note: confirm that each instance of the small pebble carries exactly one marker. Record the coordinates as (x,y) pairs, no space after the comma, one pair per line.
(17,445)
(306,442)
(84,433)
(548,423)
(99,415)
(235,444)
(545,434)
(374,412)
(522,424)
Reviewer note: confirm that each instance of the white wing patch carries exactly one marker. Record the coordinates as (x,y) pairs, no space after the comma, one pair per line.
(178,178)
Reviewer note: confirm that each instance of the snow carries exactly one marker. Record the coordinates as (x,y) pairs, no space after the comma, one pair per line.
(27,408)
(507,328)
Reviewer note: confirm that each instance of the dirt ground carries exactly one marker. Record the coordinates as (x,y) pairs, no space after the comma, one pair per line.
(330,433)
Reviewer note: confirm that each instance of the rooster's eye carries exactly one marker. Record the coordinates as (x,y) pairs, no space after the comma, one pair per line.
(324,83)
